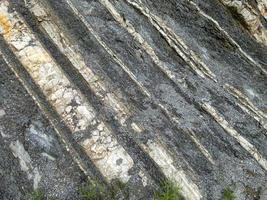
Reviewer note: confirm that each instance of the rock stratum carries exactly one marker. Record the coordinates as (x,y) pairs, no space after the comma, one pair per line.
(134,91)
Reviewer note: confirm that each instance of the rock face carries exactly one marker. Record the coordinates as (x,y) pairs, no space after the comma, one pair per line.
(133,91)
(250,17)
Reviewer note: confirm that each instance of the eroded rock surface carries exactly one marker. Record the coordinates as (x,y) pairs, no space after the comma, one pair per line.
(135,92)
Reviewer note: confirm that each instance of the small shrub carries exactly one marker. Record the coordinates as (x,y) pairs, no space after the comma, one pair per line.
(92,192)
(38,195)
(119,188)
(169,191)
(228,194)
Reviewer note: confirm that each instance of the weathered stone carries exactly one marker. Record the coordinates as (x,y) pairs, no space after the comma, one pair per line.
(136,91)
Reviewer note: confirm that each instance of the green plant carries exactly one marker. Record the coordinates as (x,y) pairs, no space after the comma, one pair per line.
(38,195)
(169,191)
(92,192)
(228,194)
(119,188)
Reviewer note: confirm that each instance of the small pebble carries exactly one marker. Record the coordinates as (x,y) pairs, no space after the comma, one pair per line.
(2,112)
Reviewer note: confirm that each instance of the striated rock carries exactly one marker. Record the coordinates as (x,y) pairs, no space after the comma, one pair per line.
(249,17)
(132,93)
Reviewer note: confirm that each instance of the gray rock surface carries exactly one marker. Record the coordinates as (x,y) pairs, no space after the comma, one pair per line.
(133,92)
(30,150)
